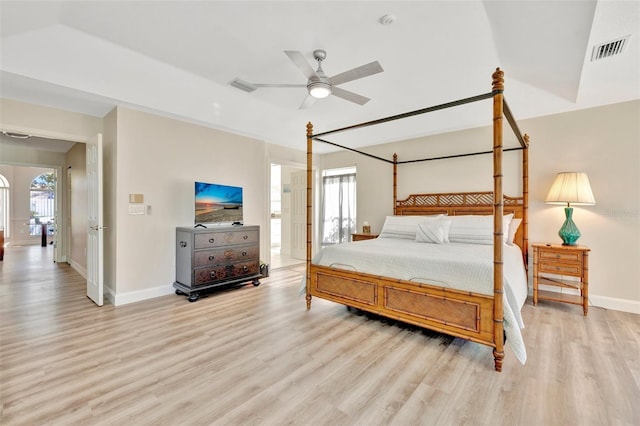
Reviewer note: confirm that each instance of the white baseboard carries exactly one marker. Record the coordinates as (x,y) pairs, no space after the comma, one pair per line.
(139,295)
(19,243)
(613,303)
(606,302)
(110,295)
(79,269)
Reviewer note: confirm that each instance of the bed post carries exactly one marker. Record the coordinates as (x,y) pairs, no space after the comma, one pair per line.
(309,211)
(498,208)
(525,201)
(395,182)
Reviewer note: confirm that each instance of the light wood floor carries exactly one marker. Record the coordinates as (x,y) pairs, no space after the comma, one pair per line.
(255,356)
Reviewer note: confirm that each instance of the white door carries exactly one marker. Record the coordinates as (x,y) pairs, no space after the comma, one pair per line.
(95,233)
(299,215)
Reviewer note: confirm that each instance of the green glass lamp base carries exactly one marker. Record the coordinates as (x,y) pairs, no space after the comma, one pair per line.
(569,231)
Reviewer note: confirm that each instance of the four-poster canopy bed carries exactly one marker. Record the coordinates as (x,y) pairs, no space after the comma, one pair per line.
(474,315)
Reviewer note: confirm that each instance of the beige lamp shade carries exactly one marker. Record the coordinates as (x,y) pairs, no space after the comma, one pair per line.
(571,188)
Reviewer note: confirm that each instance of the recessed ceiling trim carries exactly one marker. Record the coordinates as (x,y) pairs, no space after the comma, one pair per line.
(610,48)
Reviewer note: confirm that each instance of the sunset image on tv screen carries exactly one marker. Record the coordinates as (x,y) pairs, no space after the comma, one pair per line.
(217,203)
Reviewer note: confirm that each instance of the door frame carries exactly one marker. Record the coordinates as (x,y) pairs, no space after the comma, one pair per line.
(279,162)
(61,250)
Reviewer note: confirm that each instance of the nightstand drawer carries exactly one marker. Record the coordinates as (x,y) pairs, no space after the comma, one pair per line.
(564,257)
(560,268)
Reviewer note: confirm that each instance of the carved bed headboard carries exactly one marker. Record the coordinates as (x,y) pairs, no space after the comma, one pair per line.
(459,203)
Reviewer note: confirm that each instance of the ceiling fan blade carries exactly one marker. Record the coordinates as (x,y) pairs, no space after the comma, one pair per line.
(308,101)
(278,85)
(298,59)
(349,96)
(356,73)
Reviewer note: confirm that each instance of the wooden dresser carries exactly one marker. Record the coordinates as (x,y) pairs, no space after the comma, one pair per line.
(552,263)
(216,256)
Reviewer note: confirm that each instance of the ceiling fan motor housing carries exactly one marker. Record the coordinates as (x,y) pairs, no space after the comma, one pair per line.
(318,85)
(320,55)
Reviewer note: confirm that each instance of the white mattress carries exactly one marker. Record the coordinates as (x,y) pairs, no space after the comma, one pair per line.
(467,267)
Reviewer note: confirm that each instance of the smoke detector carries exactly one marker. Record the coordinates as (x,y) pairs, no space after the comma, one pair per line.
(387,19)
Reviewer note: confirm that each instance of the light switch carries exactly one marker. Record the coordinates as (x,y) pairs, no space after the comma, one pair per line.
(136,208)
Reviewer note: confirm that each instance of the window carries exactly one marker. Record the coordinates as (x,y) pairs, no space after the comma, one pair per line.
(42,201)
(338,205)
(4,205)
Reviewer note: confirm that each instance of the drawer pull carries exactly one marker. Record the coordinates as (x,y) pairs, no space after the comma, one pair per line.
(211,257)
(211,240)
(183,244)
(557,256)
(245,237)
(244,252)
(212,274)
(245,268)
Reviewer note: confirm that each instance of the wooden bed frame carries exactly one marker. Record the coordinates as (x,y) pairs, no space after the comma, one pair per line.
(472,316)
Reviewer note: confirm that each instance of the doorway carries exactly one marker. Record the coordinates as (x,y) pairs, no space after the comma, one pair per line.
(285,210)
(30,206)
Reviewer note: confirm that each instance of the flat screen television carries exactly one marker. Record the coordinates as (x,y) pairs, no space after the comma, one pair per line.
(217,203)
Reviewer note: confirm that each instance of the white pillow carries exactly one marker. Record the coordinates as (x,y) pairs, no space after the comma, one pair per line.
(433,230)
(403,227)
(513,229)
(476,229)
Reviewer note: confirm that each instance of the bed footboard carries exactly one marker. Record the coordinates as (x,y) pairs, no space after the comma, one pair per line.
(457,313)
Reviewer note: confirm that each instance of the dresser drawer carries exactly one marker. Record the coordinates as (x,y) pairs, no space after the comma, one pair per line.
(226,272)
(221,239)
(226,255)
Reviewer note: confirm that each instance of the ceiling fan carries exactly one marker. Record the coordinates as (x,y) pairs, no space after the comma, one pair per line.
(318,84)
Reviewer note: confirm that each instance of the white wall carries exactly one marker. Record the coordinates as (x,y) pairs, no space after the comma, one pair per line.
(47,122)
(604,142)
(50,123)
(161,158)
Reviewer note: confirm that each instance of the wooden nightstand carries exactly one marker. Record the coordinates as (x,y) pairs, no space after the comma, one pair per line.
(552,262)
(360,237)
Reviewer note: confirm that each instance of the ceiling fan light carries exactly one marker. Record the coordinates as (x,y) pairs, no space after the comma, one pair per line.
(319,89)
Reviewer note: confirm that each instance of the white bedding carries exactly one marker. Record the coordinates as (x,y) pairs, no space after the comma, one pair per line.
(467,267)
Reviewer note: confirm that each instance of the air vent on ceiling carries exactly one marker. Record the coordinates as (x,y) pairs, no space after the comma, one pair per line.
(16,135)
(242,85)
(610,48)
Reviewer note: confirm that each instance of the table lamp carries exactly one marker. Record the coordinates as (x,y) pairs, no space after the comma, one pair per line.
(570,188)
